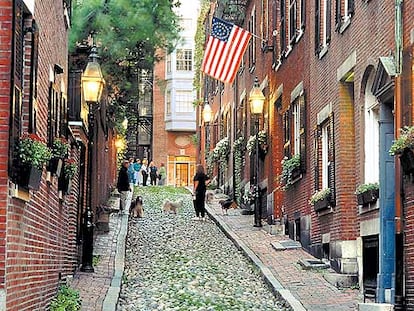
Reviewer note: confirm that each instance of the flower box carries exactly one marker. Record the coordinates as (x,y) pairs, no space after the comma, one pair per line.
(407,161)
(55,166)
(29,177)
(321,204)
(368,197)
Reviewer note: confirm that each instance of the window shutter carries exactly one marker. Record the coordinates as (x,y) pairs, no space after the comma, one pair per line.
(302,132)
(328,20)
(331,159)
(286,122)
(282,26)
(338,15)
(317,141)
(351,7)
(302,14)
(317,26)
(33,77)
(292,21)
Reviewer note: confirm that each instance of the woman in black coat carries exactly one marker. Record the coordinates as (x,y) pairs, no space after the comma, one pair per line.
(201,180)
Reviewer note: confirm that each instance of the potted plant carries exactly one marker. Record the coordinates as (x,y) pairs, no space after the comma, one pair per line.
(321,199)
(262,142)
(367,193)
(33,154)
(290,170)
(221,152)
(403,148)
(70,169)
(60,148)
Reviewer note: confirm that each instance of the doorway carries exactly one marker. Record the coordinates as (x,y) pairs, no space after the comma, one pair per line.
(181,175)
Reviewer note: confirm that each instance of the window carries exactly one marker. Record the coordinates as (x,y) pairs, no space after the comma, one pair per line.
(184,101)
(295,131)
(325,154)
(252,43)
(343,13)
(184,61)
(322,25)
(168,102)
(325,157)
(169,63)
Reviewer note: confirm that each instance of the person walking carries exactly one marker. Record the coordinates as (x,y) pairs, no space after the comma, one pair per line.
(201,180)
(124,187)
(137,172)
(144,171)
(153,170)
(162,174)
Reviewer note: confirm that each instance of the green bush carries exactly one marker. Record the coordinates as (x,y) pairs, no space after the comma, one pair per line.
(67,300)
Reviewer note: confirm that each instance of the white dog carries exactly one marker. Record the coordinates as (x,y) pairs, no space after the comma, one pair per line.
(170,206)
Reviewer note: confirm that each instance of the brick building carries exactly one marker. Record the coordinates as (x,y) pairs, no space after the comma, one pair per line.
(41,235)
(335,100)
(174,124)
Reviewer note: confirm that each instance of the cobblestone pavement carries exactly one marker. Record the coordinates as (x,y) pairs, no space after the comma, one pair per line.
(302,289)
(173,262)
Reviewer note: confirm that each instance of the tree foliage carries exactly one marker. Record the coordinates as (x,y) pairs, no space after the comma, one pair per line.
(128,33)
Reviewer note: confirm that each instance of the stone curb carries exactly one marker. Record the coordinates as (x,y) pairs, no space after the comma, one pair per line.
(268,276)
(111,299)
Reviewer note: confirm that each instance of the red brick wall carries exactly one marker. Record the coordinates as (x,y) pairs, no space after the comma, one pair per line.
(40,233)
(6,14)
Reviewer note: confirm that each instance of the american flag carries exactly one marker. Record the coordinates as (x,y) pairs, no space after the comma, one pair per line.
(225,48)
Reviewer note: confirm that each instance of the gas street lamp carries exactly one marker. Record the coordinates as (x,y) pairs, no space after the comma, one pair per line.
(92,86)
(256,99)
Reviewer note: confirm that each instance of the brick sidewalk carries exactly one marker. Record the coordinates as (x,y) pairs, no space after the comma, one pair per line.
(303,289)
(100,290)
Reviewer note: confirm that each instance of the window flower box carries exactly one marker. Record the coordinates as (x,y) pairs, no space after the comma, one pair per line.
(367,193)
(29,177)
(403,147)
(321,200)
(291,171)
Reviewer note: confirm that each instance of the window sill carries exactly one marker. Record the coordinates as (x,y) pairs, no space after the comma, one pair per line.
(363,209)
(323,51)
(21,193)
(345,24)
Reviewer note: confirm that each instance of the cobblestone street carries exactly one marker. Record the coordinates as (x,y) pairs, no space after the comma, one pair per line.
(173,262)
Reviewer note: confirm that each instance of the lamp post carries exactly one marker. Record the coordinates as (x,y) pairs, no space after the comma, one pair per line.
(92,86)
(256,99)
(207,116)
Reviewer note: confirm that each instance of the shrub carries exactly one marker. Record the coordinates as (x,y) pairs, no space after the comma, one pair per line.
(67,299)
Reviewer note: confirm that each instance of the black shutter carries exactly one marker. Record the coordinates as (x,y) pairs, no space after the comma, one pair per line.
(317,26)
(282,27)
(292,21)
(317,141)
(328,20)
(338,15)
(302,137)
(331,159)
(351,7)
(302,14)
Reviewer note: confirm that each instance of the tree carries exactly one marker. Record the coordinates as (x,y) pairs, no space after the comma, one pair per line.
(128,32)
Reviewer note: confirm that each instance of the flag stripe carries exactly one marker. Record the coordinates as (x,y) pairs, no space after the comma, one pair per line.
(225,49)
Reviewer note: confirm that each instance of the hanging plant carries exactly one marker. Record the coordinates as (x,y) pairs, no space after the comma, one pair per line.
(239,162)
(221,152)
(251,143)
(290,167)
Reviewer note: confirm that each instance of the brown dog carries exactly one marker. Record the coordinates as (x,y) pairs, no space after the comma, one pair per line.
(226,205)
(170,206)
(137,209)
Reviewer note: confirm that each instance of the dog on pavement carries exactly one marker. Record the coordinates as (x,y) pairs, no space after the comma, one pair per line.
(209,197)
(226,205)
(170,206)
(137,209)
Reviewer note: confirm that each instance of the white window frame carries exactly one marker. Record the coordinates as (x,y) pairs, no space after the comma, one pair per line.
(184,101)
(296,125)
(371,161)
(184,60)
(325,133)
